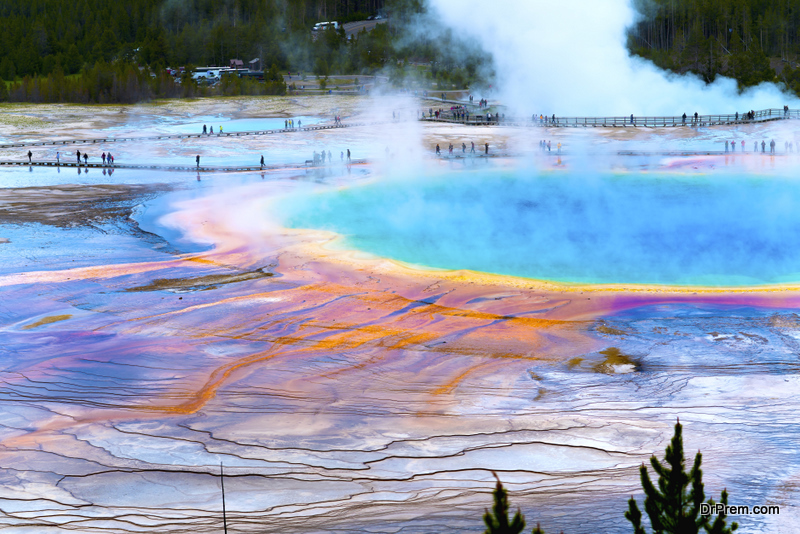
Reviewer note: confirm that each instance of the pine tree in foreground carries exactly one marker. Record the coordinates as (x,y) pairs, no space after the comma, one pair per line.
(497,520)
(674,507)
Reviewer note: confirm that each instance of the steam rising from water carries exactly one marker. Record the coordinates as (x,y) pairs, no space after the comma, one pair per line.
(569,58)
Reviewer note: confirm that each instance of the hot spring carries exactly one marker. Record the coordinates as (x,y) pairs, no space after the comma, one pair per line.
(711,230)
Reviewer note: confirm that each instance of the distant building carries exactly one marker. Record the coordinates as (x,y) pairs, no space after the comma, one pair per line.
(237,64)
(255,64)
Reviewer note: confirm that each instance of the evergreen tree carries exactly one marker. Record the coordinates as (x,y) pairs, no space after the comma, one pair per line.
(674,507)
(497,520)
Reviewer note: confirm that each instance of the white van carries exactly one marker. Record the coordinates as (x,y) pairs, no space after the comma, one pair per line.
(322,26)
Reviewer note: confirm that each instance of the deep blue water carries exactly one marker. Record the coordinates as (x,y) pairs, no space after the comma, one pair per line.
(705,230)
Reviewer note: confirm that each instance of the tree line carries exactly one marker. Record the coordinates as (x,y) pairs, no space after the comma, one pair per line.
(751,41)
(117,51)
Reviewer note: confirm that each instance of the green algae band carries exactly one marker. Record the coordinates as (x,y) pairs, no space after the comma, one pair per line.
(718,229)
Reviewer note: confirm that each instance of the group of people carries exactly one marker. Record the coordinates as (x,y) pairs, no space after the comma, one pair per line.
(730,146)
(210,130)
(546,146)
(289,123)
(337,120)
(108,159)
(463,149)
(544,119)
(320,159)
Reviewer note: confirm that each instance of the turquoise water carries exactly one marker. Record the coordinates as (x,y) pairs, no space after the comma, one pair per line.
(695,230)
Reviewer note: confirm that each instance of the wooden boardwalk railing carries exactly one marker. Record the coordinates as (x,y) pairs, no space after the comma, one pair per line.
(187,136)
(619,122)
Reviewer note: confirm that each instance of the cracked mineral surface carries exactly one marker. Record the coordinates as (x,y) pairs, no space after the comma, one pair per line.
(154,325)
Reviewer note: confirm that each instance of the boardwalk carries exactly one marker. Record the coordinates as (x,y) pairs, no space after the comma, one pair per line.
(482,119)
(185,136)
(154,167)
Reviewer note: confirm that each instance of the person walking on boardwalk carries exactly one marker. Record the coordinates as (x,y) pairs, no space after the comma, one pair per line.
(772,146)
(763,146)
(220,129)
(103,157)
(733,146)
(211,130)
(726,145)
(684,118)
(472,151)
(85,158)
(30,156)
(197,159)
(438,150)
(262,162)
(348,155)
(58,158)
(742,145)
(205,130)
(486,148)
(463,148)
(79,157)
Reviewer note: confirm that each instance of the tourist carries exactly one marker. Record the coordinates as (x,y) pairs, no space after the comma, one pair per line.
(696,116)
(299,124)
(58,158)
(286,124)
(726,146)
(198,161)
(463,148)
(262,161)
(548,146)
(79,157)
(684,118)
(85,158)
(438,150)
(30,156)
(742,145)
(211,130)
(348,155)
(205,130)
(763,146)
(220,129)
(103,157)
(772,146)
(559,148)
(473,148)
(487,149)
(733,146)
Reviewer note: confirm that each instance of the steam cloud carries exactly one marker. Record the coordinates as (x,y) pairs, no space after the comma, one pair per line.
(569,58)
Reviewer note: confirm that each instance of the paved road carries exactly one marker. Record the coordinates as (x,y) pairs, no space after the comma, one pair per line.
(353,28)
